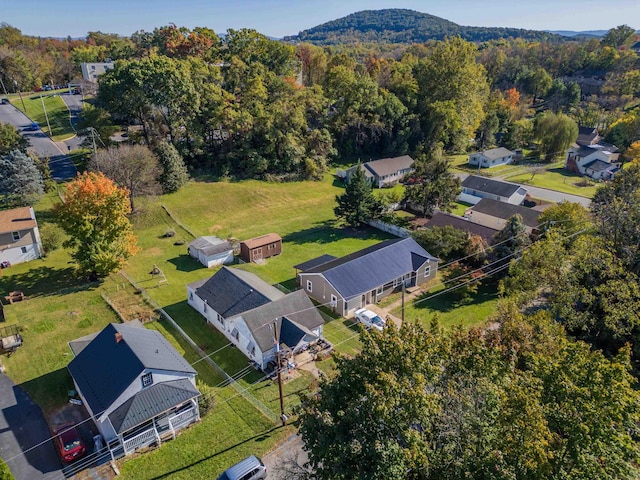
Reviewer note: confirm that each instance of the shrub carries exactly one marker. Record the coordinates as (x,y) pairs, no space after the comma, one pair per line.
(52,237)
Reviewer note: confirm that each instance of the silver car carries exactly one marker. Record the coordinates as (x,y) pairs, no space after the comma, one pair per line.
(251,468)
(370,319)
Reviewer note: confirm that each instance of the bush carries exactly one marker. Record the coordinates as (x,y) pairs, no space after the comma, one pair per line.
(5,473)
(206,400)
(52,237)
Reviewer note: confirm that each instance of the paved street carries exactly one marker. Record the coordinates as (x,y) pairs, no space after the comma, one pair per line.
(61,167)
(23,428)
(284,462)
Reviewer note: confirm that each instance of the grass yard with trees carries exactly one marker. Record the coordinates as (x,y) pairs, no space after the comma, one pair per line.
(57,112)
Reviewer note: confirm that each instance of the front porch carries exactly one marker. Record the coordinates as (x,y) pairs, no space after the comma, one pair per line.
(161,428)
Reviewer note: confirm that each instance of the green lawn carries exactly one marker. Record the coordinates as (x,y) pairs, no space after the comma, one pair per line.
(460,208)
(57,111)
(557,179)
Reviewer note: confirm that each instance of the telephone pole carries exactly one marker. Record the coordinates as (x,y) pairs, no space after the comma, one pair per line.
(20,95)
(45,115)
(276,339)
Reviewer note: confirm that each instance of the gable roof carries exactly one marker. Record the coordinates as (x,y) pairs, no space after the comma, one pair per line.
(372,267)
(586,135)
(211,245)
(441,219)
(262,240)
(314,262)
(505,211)
(232,291)
(106,367)
(488,185)
(296,307)
(16,219)
(150,402)
(388,166)
(497,153)
(599,165)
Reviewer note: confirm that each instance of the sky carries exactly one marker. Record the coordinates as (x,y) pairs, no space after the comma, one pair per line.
(277,18)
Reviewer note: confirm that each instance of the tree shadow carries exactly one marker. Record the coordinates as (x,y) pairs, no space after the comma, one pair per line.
(50,390)
(448,302)
(186,263)
(45,280)
(328,232)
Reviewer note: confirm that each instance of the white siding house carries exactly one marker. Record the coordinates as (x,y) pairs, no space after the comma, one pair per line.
(19,236)
(492,158)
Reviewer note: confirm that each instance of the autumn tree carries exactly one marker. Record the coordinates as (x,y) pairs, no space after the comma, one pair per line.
(134,167)
(554,133)
(20,180)
(565,218)
(94,215)
(358,204)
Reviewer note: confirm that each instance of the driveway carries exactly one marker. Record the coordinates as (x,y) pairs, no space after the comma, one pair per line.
(24,429)
(61,166)
(284,463)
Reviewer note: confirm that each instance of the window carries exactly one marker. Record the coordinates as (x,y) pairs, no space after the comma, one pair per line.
(427,271)
(334,300)
(221,319)
(235,334)
(23,249)
(379,290)
(147,380)
(397,281)
(204,309)
(190,295)
(251,348)
(16,236)
(271,246)
(309,286)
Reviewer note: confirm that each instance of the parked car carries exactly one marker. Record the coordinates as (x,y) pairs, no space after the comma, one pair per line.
(4,101)
(251,468)
(370,319)
(33,127)
(69,443)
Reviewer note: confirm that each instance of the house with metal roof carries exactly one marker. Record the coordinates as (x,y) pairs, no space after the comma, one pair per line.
(19,236)
(475,188)
(348,283)
(384,172)
(492,158)
(211,251)
(246,309)
(134,384)
(493,214)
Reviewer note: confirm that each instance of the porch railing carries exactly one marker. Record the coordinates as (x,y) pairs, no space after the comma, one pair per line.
(141,440)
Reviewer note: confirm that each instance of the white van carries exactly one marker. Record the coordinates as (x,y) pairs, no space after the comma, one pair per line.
(251,468)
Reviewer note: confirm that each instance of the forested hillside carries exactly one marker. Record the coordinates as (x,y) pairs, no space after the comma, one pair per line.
(405,26)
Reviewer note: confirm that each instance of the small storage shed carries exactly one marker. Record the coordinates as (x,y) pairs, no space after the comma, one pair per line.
(261,247)
(211,251)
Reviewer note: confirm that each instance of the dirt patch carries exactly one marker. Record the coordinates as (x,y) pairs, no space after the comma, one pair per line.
(214,228)
(154,252)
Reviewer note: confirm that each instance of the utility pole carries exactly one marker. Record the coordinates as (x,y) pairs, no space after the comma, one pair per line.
(3,87)
(20,95)
(276,339)
(45,115)
(402,301)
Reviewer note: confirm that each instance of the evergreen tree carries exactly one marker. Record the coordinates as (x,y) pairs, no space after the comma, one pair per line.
(511,239)
(174,172)
(358,204)
(20,180)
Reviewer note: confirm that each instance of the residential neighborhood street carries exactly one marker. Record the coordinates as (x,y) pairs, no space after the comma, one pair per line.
(24,429)
(61,166)
(283,462)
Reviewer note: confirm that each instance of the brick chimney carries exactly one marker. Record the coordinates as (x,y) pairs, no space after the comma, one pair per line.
(118,337)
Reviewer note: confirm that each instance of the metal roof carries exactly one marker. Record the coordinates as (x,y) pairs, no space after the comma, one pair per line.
(232,291)
(150,402)
(505,211)
(211,245)
(106,367)
(314,262)
(487,185)
(372,267)
(441,219)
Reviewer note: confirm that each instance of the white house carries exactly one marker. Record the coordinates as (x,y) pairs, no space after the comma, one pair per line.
(475,188)
(135,385)
(211,251)
(91,71)
(243,308)
(19,236)
(492,158)
(384,172)
(598,161)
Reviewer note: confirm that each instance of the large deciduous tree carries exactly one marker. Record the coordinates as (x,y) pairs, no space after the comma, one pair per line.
(10,139)
(358,204)
(452,92)
(133,167)
(94,215)
(520,401)
(174,172)
(555,133)
(20,180)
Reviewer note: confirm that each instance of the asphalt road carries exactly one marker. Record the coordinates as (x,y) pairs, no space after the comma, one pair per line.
(24,429)
(284,462)
(75,104)
(61,166)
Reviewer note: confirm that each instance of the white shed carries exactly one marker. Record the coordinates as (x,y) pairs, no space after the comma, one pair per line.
(211,251)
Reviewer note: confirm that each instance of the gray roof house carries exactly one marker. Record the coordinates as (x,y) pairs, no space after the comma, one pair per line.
(211,251)
(243,308)
(493,214)
(492,158)
(135,385)
(442,219)
(475,188)
(384,172)
(364,277)
(597,160)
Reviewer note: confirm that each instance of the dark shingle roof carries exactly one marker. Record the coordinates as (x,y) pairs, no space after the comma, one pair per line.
(389,166)
(497,153)
(371,267)
(441,219)
(232,291)
(150,402)
(585,151)
(598,165)
(106,367)
(295,306)
(314,262)
(211,245)
(495,187)
(586,135)
(505,211)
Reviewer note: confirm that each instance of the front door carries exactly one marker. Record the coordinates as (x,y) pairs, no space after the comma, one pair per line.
(257,254)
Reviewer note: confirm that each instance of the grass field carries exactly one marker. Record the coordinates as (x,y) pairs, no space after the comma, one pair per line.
(57,112)
(557,179)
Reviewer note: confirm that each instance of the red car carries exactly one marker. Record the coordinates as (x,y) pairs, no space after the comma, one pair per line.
(69,443)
